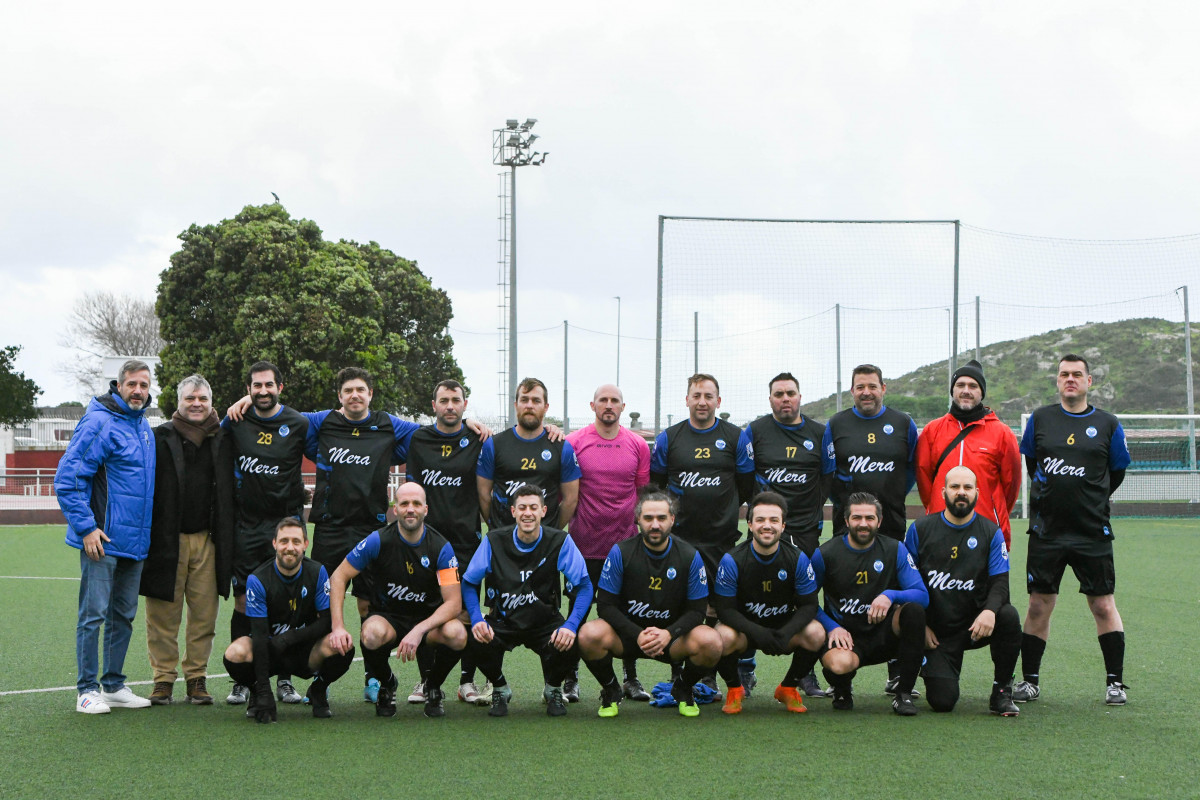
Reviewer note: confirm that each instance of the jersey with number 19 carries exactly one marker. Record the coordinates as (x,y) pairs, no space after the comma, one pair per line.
(444,465)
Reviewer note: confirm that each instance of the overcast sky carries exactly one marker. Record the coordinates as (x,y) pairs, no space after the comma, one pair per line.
(125,123)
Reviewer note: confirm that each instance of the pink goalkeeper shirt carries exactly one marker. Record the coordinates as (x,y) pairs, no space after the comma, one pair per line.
(612,472)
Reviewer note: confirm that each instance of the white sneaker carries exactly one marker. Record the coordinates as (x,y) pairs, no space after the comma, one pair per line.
(468,693)
(485,694)
(124,698)
(418,694)
(92,703)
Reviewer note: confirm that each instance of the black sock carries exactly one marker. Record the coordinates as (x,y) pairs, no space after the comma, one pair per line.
(912,646)
(630,666)
(425,660)
(841,683)
(442,660)
(802,664)
(367,671)
(466,673)
(375,662)
(1112,645)
(335,666)
(242,673)
(1032,650)
(239,625)
(602,669)
(727,668)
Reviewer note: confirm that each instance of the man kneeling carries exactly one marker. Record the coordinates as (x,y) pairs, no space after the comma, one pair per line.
(415,601)
(874,605)
(766,599)
(652,599)
(287,601)
(963,560)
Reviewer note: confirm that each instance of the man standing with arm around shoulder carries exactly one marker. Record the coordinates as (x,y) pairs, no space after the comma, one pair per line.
(105,488)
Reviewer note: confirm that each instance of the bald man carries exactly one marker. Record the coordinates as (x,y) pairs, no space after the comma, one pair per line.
(963,561)
(615,463)
(415,600)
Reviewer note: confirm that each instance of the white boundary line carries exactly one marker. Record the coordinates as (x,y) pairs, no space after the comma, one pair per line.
(128,683)
(35,578)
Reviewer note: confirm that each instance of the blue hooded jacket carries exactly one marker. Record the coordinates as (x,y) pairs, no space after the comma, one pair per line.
(105,479)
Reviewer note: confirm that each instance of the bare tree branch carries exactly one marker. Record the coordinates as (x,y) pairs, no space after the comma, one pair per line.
(106,324)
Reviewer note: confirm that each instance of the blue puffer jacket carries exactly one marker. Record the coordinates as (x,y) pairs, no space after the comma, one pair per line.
(105,479)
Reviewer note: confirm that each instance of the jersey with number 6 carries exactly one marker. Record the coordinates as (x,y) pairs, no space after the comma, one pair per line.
(1075,455)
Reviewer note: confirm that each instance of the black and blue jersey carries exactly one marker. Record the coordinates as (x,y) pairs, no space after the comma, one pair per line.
(959,564)
(287,602)
(851,579)
(871,454)
(406,579)
(509,460)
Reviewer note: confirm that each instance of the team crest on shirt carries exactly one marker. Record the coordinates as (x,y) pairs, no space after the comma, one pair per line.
(545,455)
(670,573)
(972,542)
(491,593)
(888,429)
(720,443)
(783,574)
(304,591)
(425,561)
(284,430)
(878,565)
(463,442)
(1091,432)
(808,445)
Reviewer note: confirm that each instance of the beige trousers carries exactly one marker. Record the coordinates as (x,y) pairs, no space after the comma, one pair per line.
(195,582)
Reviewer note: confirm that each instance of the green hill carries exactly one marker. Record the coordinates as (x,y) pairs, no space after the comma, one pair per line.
(1137,368)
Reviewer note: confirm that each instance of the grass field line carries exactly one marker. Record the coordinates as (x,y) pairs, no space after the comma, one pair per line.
(127,683)
(36,578)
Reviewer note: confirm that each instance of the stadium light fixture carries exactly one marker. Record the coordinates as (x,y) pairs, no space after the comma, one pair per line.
(511,147)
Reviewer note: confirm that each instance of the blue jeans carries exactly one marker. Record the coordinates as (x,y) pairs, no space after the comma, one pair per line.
(108,593)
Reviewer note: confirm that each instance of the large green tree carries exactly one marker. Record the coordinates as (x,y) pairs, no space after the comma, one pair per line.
(17,393)
(265,286)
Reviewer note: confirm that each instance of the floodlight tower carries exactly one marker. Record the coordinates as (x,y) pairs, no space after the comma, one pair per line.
(511,147)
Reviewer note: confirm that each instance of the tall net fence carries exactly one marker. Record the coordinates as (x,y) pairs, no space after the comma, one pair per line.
(746,299)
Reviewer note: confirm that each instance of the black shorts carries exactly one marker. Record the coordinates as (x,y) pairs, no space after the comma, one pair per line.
(251,547)
(402,625)
(1090,559)
(630,646)
(807,540)
(879,643)
(330,547)
(945,660)
(711,555)
(294,661)
(537,640)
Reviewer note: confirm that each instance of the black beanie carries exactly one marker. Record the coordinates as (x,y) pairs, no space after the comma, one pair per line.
(971,369)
